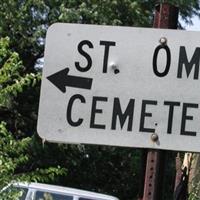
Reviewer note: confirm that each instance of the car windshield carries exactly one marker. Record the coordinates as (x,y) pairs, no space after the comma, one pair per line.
(13,192)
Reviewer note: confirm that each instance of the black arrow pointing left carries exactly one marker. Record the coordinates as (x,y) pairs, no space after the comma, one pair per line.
(61,79)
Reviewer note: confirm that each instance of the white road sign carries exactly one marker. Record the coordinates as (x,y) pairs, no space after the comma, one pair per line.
(120,85)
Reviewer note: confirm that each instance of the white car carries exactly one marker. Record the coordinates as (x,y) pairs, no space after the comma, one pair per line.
(37,191)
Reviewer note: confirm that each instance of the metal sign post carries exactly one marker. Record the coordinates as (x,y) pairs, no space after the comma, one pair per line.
(166,16)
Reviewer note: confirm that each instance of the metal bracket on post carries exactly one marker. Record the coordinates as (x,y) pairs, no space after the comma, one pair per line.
(166,16)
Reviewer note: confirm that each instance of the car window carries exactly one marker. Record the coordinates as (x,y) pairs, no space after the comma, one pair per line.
(83,198)
(41,195)
(18,193)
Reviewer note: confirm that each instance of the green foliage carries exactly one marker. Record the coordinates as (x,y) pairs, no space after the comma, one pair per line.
(195,184)
(17,156)
(12,193)
(194,195)
(110,170)
(15,83)
(11,81)
(188,8)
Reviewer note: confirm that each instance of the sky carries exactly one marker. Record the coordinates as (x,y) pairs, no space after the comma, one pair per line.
(195,26)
